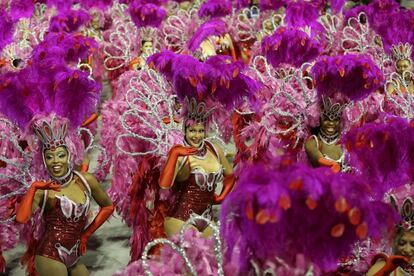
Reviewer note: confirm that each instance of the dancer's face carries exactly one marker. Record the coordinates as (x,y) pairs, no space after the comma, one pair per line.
(57,161)
(329,127)
(146,47)
(195,134)
(403,65)
(405,245)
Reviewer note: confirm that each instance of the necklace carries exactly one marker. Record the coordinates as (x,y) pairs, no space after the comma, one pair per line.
(201,150)
(64,180)
(328,139)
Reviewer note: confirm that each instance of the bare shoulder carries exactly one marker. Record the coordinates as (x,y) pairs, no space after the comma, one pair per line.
(311,142)
(90,178)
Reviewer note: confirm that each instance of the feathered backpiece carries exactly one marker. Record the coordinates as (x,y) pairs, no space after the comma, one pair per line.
(215,8)
(382,152)
(214,27)
(146,14)
(352,76)
(284,203)
(290,46)
(6,29)
(69,21)
(217,79)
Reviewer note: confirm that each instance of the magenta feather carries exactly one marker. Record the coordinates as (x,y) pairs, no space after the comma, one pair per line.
(213,27)
(21,8)
(69,21)
(146,14)
(215,8)
(100,4)
(290,46)
(6,29)
(382,152)
(76,106)
(274,201)
(272,4)
(353,76)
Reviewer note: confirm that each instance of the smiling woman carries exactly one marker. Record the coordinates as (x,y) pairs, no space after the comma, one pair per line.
(193,171)
(64,201)
(324,149)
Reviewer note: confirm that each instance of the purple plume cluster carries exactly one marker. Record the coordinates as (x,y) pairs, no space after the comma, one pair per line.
(68,21)
(290,46)
(353,76)
(7,25)
(147,13)
(281,210)
(215,8)
(50,84)
(218,77)
(209,28)
(383,152)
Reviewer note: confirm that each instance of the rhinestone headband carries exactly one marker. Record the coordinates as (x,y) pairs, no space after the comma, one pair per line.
(197,112)
(332,111)
(401,51)
(51,136)
(407,214)
(148,33)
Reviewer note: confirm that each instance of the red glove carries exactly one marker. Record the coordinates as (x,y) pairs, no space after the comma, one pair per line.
(391,264)
(24,211)
(90,120)
(101,217)
(228,184)
(167,174)
(335,167)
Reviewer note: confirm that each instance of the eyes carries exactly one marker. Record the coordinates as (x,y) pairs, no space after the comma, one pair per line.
(403,242)
(60,155)
(193,131)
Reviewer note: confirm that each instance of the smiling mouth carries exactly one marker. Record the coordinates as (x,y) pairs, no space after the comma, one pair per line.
(57,169)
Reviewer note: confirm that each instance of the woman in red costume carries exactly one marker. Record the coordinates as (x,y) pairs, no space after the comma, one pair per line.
(193,171)
(64,201)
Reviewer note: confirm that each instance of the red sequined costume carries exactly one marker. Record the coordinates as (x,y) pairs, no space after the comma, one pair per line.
(64,225)
(195,195)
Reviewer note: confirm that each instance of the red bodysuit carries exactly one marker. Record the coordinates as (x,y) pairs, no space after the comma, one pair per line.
(64,225)
(195,195)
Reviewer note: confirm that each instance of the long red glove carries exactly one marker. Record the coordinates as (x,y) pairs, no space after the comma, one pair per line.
(167,174)
(101,217)
(391,264)
(335,167)
(90,120)
(228,184)
(24,211)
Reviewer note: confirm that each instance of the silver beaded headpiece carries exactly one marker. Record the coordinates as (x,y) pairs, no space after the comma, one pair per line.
(401,51)
(332,111)
(148,33)
(50,135)
(406,212)
(197,112)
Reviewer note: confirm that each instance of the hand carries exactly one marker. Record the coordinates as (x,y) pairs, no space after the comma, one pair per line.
(398,260)
(179,150)
(336,168)
(49,185)
(83,242)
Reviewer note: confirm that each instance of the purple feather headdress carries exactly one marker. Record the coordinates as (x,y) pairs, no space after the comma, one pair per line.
(383,152)
(271,4)
(215,8)
(276,211)
(146,14)
(68,21)
(302,13)
(214,27)
(100,4)
(353,76)
(21,8)
(218,78)
(290,46)
(6,29)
